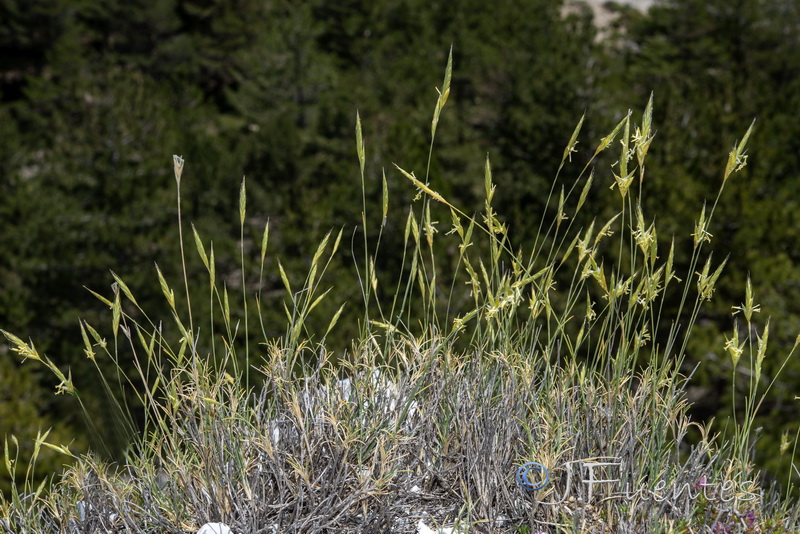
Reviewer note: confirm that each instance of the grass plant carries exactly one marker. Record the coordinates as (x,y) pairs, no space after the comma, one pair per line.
(482,360)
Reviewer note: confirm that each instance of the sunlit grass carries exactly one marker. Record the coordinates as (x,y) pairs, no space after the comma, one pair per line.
(482,360)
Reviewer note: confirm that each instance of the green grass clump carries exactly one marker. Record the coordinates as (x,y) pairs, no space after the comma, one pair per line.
(487,355)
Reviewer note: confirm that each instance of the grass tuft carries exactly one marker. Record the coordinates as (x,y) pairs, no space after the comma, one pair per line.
(486,357)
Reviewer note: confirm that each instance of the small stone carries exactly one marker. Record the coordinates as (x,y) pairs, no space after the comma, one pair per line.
(214,528)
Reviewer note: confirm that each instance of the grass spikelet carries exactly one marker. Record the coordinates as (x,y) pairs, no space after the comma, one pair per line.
(607,140)
(444,93)
(573,141)
(422,187)
(359,143)
(177,167)
(737,158)
(120,283)
(201,250)
(585,191)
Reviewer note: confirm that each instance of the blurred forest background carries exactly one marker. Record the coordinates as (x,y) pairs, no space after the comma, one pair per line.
(97,95)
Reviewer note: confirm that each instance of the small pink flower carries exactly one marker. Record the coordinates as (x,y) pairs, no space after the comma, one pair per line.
(701,483)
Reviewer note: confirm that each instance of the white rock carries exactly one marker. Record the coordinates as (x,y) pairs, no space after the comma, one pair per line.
(214,528)
(422,528)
